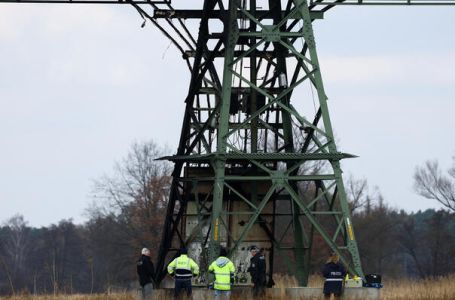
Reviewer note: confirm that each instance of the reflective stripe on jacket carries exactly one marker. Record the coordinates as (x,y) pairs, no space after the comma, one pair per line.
(183,267)
(334,274)
(223,269)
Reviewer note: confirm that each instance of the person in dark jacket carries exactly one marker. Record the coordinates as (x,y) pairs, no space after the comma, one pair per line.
(333,273)
(146,273)
(257,271)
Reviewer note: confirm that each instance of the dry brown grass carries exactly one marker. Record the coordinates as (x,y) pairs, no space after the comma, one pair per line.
(286,281)
(117,296)
(431,289)
(442,288)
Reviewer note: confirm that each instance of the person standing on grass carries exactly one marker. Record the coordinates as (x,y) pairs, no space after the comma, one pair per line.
(333,273)
(146,273)
(183,268)
(224,271)
(257,271)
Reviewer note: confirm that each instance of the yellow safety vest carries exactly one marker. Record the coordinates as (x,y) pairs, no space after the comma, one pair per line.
(223,269)
(183,262)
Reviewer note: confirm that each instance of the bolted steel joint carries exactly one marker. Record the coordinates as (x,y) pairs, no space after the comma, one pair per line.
(271,33)
(278,177)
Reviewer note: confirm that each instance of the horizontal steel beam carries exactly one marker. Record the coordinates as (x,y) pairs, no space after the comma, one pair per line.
(221,14)
(138,2)
(261,178)
(381,2)
(260,156)
(241,213)
(217,14)
(240,90)
(237,53)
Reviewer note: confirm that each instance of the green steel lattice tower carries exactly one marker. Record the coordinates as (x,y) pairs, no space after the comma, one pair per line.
(257,161)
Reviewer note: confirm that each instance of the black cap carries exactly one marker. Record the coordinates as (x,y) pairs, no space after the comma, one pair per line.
(255,248)
(223,252)
(183,250)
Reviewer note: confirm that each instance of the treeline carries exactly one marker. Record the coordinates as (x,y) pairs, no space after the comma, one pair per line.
(129,210)
(99,255)
(65,258)
(398,244)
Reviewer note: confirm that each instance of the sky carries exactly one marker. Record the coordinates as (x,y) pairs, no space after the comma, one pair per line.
(80,84)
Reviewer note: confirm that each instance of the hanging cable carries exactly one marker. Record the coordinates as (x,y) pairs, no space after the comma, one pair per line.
(154,6)
(144,14)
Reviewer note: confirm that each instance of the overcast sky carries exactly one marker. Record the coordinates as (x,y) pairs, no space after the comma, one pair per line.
(79,84)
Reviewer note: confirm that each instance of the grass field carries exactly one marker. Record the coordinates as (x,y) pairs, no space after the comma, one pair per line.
(438,288)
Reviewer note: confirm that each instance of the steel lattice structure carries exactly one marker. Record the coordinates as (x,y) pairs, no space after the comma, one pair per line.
(240,168)
(257,161)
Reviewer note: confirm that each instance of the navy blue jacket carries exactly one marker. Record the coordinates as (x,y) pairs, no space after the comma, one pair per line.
(333,274)
(257,269)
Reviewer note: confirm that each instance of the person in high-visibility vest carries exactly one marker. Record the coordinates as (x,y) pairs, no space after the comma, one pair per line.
(183,268)
(224,271)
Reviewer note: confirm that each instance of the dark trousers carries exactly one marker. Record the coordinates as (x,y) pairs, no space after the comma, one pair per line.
(333,287)
(259,289)
(146,291)
(182,285)
(335,296)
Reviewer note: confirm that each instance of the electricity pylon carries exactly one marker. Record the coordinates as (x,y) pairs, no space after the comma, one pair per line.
(257,161)
(255,152)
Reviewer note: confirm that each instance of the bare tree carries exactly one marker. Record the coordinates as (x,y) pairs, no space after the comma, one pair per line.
(427,237)
(360,196)
(135,178)
(409,237)
(357,192)
(430,182)
(136,193)
(15,249)
(8,274)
